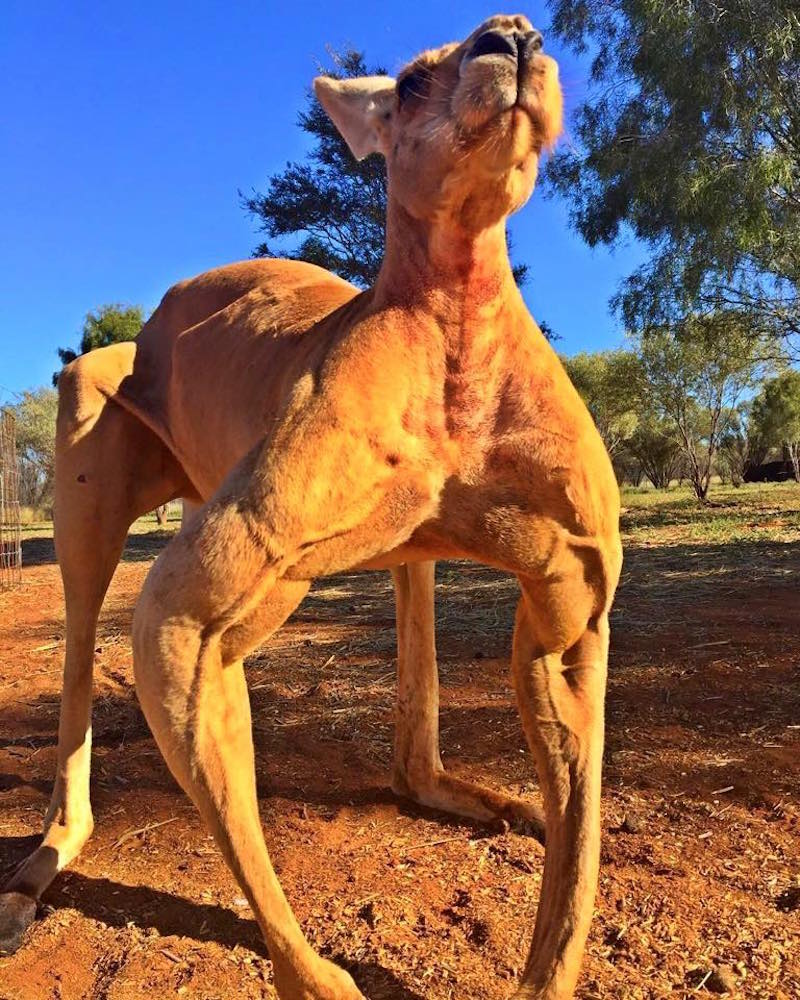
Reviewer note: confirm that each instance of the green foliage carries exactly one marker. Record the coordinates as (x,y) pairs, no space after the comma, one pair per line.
(692,379)
(607,383)
(654,445)
(776,409)
(109,324)
(690,139)
(334,204)
(734,528)
(35,414)
(547,330)
(776,414)
(639,440)
(741,445)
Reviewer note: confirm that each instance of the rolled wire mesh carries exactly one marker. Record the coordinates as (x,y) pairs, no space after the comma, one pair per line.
(10,533)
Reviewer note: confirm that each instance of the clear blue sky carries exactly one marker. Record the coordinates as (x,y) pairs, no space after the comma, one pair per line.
(128,128)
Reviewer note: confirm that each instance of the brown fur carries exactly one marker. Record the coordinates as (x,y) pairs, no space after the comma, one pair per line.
(318,429)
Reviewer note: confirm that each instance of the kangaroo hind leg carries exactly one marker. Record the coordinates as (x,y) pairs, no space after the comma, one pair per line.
(110,469)
(418,772)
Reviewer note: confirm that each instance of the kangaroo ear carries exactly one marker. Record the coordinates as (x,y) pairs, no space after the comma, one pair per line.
(359,108)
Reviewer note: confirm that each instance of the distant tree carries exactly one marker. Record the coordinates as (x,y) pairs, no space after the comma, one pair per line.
(334,204)
(776,414)
(108,324)
(627,468)
(35,413)
(654,446)
(607,382)
(742,446)
(693,378)
(690,139)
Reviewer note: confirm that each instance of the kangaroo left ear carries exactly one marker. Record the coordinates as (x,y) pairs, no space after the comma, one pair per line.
(358,108)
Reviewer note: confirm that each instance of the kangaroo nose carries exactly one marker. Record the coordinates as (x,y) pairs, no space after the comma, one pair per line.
(519,45)
(494,43)
(530,42)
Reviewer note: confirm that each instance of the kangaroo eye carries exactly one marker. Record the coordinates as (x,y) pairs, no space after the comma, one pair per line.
(413,86)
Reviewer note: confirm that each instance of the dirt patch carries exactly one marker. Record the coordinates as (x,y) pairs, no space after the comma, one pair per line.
(701,827)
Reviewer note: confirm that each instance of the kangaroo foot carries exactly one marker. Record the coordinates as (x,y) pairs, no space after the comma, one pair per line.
(443,791)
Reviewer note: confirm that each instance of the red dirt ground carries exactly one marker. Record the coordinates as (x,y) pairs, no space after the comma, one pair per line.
(703,695)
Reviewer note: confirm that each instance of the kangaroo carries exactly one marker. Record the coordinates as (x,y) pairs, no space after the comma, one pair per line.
(316,429)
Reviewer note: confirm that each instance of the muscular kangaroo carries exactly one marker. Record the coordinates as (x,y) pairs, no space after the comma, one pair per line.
(318,429)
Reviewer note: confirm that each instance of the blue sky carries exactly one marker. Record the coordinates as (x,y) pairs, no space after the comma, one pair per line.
(127,130)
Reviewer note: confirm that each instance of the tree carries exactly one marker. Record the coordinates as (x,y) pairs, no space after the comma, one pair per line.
(549,333)
(742,446)
(654,446)
(693,377)
(334,204)
(690,139)
(35,414)
(607,383)
(776,414)
(109,324)
(627,468)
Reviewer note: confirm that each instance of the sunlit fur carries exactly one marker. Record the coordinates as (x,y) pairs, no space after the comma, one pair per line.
(316,429)
(470,144)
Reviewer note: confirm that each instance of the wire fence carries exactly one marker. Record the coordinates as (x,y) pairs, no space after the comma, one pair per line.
(10,533)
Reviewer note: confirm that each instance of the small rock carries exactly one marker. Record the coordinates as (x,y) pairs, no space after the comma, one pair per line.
(631,824)
(240,902)
(721,980)
(789,899)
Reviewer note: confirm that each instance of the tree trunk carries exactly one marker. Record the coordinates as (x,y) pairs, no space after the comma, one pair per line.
(700,483)
(161,515)
(794,455)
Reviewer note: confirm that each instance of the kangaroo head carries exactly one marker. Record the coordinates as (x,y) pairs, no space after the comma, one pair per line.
(462,127)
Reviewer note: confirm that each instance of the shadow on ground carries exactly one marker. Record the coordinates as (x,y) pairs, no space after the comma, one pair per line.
(118,905)
(138,548)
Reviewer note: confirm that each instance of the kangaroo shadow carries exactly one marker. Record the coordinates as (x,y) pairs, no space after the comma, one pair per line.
(117,905)
(10,781)
(323,748)
(143,547)
(375,982)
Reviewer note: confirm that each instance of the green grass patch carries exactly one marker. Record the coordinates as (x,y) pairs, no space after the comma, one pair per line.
(752,512)
(142,526)
(755,512)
